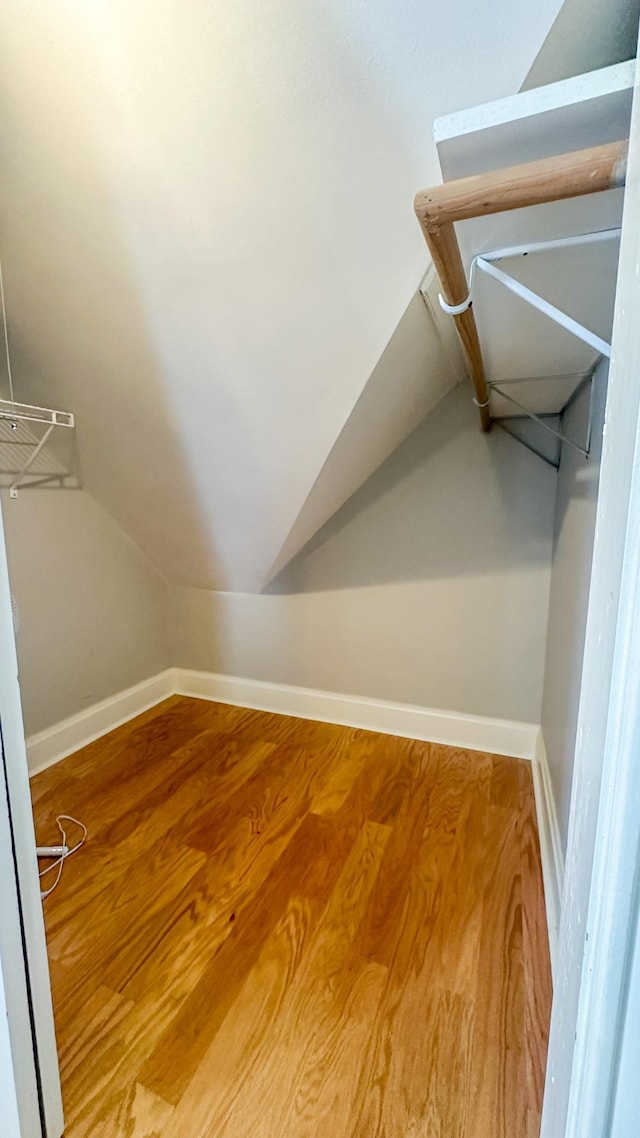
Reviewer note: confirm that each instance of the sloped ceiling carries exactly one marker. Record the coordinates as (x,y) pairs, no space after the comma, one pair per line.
(208,239)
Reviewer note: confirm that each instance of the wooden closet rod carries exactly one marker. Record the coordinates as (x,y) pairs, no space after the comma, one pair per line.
(533,183)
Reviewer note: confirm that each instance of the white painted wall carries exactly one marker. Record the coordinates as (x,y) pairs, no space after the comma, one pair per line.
(574,530)
(430,586)
(92,608)
(208,237)
(412,375)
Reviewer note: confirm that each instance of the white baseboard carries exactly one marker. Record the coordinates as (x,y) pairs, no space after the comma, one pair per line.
(475,732)
(48,747)
(550,846)
(478,733)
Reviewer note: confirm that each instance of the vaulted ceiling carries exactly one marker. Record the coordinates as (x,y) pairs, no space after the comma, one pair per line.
(208,244)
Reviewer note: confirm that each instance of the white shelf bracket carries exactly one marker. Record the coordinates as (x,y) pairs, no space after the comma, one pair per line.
(13,489)
(13,413)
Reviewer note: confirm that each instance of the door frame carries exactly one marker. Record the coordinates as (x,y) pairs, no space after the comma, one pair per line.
(8,1091)
(19,1097)
(23,950)
(601,902)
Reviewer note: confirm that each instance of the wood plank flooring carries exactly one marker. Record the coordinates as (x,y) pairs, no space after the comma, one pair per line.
(285,929)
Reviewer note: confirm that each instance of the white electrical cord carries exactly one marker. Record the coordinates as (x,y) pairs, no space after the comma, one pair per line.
(61,860)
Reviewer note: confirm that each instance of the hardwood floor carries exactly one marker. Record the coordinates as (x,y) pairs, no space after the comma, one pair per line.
(285,929)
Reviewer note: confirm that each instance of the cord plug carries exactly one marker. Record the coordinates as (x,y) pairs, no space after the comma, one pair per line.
(52,851)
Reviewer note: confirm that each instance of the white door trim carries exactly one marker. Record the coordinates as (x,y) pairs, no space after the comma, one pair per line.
(8,1089)
(23,949)
(600,902)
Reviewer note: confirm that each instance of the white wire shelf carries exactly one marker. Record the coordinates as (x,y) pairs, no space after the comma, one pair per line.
(27,412)
(512,408)
(24,456)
